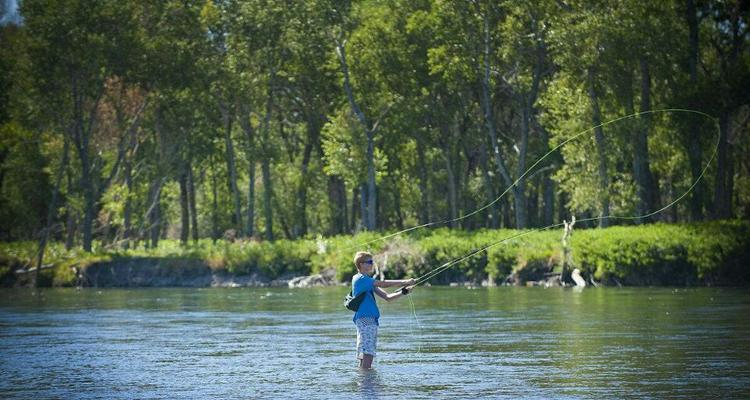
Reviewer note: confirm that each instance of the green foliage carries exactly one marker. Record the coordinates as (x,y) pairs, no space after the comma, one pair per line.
(660,254)
(23,206)
(267,74)
(272,259)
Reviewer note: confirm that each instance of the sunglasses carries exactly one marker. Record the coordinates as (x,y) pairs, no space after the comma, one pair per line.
(368,262)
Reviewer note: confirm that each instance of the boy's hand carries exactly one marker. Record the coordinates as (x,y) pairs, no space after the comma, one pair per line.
(411,281)
(406,290)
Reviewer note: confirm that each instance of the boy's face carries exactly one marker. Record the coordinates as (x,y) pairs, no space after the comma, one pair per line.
(366,266)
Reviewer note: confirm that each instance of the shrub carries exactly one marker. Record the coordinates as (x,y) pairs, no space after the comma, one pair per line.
(656,254)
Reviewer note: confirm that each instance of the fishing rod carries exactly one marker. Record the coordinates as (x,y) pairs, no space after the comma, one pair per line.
(431,274)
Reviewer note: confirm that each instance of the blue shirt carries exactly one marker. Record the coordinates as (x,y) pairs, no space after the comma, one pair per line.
(368,307)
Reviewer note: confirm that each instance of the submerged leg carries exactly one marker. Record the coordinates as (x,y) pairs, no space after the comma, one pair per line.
(366,361)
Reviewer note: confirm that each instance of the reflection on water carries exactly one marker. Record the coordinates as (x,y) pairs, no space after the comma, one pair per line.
(277,343)
(369,385)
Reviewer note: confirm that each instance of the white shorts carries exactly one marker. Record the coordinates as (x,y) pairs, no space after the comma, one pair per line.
(367,336)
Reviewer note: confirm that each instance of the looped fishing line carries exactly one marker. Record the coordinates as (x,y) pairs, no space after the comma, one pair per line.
(424,278)
(429,275)
(552,150)
(436,271)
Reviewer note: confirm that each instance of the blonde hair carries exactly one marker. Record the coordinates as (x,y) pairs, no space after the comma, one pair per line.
(360,257)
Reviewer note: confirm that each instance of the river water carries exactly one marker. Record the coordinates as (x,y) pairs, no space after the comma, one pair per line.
(438,343)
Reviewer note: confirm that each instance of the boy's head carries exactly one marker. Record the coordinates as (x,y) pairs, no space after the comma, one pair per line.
(363,261)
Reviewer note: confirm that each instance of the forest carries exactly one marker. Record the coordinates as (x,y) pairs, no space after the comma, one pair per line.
(125,123)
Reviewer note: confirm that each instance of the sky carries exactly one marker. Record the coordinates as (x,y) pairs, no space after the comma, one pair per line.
(10,13)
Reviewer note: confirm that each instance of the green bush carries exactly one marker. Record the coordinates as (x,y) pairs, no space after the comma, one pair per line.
(656,254)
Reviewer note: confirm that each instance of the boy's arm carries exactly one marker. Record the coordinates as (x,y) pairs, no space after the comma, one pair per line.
(390,296)
(392,283)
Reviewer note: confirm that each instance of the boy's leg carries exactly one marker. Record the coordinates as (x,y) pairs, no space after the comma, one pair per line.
(367,338)
(366,361)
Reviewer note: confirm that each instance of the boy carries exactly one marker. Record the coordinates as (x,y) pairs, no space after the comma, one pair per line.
(366,317)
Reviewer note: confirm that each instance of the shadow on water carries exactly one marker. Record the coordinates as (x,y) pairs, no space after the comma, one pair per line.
(369,384)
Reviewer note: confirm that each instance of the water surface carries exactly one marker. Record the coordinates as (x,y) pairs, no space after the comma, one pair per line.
(442,342)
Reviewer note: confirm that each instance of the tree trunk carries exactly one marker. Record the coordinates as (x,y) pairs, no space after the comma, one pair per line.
(562,210)
(371,197)
(370,216)
(214,206)
(266,161)
(693,39)
(154,214)
(3,156)
(88,214)
(337,204)
(548,195)
(601,151)
(70,230)
(313,136)
(81,141)
(227,119)
(489,117)
(51,211)
(493,216)
(128,208)
(356,196)
(647,188)
(695,156)
(506,207)
(519,191)
(729,187)
(129,154)
(247,127)
(452,206)
(424,211)
(363,204)
(251,201)
(284,224)
(672,212)
(547,214)
(184,209)
(81,138)
(70,214)
(88,196)
(397,206)
(722,208)
(267,197)
(532,202)
(191,201)
(529,115)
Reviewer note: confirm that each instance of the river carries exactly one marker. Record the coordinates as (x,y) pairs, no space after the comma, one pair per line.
(440,342)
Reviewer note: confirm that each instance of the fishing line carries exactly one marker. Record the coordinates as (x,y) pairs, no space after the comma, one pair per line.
(438,270)
(419,325)
(431,274)
(528,170)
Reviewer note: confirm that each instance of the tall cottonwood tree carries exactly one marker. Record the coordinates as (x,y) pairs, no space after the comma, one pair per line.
(370,128)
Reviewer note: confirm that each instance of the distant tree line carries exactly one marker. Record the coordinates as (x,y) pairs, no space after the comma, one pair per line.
(126,122)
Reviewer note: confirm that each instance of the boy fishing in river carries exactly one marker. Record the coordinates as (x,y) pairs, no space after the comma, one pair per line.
(364,289)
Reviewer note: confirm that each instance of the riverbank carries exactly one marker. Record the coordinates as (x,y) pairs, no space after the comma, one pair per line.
(713,253)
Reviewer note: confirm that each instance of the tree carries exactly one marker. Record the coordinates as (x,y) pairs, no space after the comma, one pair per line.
(72,68)
(369,218)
